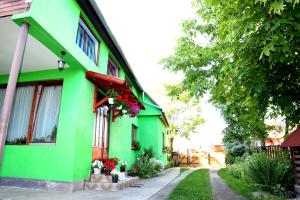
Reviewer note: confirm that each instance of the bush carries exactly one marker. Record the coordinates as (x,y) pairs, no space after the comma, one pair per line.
(170,164)
(269,173)
(232,159)
(237,170)
(148,152)
(147,167)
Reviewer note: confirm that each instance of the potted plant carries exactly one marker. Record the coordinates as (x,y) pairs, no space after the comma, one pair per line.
(97,166)
(112,95)
(123,166)
(110,164)
(114,176)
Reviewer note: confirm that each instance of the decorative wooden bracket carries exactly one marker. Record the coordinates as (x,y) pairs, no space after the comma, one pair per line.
(99,103)
(115,115)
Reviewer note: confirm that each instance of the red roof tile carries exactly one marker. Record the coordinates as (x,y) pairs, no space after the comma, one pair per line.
(293,140)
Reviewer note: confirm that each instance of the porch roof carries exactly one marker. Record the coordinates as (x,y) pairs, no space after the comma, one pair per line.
(106,83)
(293,140)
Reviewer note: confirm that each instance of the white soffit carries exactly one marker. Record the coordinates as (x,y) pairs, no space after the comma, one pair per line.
(37,57)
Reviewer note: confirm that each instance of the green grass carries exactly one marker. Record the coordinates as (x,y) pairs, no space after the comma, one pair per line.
(242,187)
(183,169)
(196,186)
(238,185)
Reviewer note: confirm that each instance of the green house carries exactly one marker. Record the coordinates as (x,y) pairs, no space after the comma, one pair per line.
(59,64)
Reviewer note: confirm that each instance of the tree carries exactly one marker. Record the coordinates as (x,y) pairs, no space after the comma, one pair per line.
(250,64)
(184,116)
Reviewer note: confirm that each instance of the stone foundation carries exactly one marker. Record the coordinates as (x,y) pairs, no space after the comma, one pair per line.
(42,184)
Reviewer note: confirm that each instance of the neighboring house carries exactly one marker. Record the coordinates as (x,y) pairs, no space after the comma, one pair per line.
(60,119)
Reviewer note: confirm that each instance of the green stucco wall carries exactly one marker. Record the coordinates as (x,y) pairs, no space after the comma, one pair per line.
(120,139)
(69,159)
(150,135)
(55,24)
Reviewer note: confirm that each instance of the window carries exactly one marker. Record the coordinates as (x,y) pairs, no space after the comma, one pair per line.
(112,69)
(34,114)
(133,136)
(163,141)
(87,41)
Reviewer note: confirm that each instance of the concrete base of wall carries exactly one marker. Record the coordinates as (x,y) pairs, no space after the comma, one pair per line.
(42,184)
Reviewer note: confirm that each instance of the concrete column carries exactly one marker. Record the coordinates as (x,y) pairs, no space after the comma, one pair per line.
(11,86)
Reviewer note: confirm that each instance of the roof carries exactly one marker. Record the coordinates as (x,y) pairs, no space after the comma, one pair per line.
(95,15)
(93,12)
(293,140)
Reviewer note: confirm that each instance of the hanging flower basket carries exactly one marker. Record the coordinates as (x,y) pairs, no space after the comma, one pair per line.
(122,104)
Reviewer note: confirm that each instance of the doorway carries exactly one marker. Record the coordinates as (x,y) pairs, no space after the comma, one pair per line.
(101,133)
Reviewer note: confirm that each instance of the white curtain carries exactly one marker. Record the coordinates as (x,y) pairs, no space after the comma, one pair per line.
(2,94)
(101,127)
(45,125)
(20,114)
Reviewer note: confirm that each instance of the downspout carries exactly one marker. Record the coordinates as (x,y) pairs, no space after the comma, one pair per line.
(11,86)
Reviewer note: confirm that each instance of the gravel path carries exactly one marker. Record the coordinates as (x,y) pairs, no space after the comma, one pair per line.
(220,190)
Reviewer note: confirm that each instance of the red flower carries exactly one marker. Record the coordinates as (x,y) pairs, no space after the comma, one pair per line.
(119,98)
(110,163)
(131,104)
(126,101)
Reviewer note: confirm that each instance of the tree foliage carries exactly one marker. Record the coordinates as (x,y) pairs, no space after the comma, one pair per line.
(184,116)
(250,64)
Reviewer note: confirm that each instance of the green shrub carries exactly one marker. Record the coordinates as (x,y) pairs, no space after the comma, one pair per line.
(237,170)
(170,165)
(149,152)
(148,167)
(268,173)
(231,159)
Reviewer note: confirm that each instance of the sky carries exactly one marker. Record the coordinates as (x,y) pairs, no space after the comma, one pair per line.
(147,31)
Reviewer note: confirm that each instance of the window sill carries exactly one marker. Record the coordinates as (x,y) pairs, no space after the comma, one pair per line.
(32,144)
(42,144)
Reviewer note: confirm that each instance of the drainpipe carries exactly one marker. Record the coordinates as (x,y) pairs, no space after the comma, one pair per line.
(11,86)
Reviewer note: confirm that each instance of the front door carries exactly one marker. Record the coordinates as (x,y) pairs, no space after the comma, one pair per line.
(101,133)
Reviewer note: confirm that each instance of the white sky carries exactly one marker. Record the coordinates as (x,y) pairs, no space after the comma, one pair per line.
(147,31)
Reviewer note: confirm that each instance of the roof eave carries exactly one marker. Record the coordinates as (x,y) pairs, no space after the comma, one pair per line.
(94,13)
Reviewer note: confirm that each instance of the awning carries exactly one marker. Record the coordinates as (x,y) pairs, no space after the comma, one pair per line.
(293,140)
(106,83)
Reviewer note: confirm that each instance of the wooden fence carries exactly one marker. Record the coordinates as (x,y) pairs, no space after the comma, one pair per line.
(274,151)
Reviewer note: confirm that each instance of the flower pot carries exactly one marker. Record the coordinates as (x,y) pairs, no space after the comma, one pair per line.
(119,107)
(111,101)
(97,171)
(102,171)
(122,168)
(122,176)
(115,179)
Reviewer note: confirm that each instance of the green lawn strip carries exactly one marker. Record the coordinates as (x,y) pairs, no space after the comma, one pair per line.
(242,187)
(196,186)
(238,185)
(183,169)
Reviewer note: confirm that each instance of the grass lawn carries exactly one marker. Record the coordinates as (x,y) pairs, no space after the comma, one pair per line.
(239,186)
(242,187)
(183,169)
(196,186)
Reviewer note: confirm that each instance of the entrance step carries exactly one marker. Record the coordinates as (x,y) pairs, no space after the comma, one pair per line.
(102,182)
(100,178)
